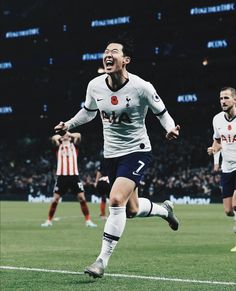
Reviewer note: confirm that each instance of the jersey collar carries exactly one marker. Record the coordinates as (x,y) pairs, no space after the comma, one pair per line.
(229,119)
(121,86)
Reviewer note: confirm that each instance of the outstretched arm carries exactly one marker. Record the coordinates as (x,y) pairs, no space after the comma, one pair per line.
(169,125)
(83,116)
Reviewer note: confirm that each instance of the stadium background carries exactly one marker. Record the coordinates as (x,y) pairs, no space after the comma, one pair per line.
(51,49)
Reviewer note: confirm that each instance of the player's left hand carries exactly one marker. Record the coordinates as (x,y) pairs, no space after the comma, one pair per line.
(174,133)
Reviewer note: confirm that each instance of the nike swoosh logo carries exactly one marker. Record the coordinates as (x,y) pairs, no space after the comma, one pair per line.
(136,174)
(99,99)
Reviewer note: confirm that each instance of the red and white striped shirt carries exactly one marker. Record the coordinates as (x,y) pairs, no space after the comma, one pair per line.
(67,155)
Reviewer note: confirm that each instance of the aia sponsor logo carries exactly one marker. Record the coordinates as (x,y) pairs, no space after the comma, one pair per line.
(229,139)
(115,118)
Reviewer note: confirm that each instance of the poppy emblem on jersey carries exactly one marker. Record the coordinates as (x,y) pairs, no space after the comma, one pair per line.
(114,100)
(229,127)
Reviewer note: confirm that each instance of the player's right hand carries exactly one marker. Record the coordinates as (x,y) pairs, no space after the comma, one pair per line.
(61,128)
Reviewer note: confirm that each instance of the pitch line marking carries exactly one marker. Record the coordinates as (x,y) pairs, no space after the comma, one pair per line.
(121,276)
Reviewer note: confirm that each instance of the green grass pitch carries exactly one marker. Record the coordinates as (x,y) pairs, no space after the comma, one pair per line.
(149,256)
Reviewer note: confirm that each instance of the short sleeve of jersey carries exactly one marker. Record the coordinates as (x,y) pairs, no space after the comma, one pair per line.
(152,98)
(90,102)
(216,134)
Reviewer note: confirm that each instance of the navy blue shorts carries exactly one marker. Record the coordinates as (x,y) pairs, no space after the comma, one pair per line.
(228,183)
(131,166)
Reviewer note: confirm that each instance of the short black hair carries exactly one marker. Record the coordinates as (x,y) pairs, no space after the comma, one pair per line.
(127,41)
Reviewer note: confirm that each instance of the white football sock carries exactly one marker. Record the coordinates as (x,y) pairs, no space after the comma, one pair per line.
(113,230)
(234,215)
(148,208)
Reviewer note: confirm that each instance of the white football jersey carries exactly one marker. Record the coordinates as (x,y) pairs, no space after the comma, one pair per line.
(226,131)
(123,113)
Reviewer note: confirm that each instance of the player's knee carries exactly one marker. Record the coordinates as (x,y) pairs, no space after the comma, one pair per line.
(56,199)
(131,213)
(115,202)
(81,199)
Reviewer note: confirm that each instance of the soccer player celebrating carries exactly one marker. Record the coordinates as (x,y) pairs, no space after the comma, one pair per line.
(68,175)
(224,126)
(123,99)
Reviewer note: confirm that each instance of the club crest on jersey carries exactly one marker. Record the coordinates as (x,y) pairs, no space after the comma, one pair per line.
(127,100)
(156,98)
(114,100)
(229,127)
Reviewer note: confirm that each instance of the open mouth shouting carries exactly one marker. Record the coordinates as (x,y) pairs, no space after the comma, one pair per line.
(108,63)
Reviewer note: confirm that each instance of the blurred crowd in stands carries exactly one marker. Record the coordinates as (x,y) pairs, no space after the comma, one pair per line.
(180,168)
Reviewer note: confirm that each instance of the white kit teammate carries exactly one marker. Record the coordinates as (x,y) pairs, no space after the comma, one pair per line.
(224,125)
(123,100)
